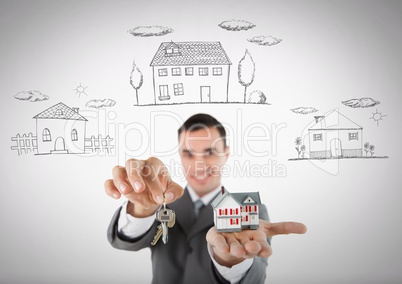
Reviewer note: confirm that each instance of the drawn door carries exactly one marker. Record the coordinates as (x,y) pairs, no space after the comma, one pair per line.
(205,94)
(59,144)
(336,147)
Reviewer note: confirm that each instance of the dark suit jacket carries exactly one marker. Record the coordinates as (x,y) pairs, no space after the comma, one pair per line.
(185,258)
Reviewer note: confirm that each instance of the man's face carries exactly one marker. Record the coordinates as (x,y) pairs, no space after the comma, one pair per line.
(203,154)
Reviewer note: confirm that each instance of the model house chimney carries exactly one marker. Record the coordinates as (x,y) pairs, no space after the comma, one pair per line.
(75,109)
(222,190)
(318,118)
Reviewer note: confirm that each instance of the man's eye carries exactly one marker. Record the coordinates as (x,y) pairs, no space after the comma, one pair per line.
(210,153)
(188,154)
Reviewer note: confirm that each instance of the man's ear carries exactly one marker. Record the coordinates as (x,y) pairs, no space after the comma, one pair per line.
(227,152)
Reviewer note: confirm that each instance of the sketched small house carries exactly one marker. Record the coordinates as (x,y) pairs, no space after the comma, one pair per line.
(60,129)
(335,136)
(236,211)
(190,72)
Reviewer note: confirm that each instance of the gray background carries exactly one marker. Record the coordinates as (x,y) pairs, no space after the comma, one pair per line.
(54,212)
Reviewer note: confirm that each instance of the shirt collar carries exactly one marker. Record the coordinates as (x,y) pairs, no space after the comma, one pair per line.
(207,198)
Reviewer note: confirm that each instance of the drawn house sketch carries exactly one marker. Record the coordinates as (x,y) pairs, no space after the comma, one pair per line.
(236,211)
(190,72)
(60,129)
(335,136)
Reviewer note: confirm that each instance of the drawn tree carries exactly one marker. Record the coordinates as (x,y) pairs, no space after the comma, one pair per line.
(367,147)
(136,79)
(372,148)
(246,71)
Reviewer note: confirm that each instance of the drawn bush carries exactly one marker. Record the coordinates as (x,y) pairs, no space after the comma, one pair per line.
(257,97)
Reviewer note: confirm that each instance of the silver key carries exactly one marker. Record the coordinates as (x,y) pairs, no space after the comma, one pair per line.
(167,218)
(157,235)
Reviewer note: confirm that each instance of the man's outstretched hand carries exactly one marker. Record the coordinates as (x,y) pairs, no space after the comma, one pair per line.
(232,248)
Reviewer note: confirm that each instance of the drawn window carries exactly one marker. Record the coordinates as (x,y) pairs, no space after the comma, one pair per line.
(189,71)
(203,71)
(163,93)
(178,89)
(46,135)
(175,51)
(353,136)
(176,71)
(317,137)
(58,112)
(163,72)
(217,71)
(74,135)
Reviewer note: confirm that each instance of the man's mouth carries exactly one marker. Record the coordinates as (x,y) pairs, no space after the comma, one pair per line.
(201,177)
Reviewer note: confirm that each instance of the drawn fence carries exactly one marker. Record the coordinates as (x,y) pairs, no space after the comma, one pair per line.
(25,143)
(99,144)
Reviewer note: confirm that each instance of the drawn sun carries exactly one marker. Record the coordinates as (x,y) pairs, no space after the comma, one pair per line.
(377,116)
(80,90)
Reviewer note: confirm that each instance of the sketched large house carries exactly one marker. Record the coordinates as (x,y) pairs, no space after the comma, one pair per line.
(60,129)
(190,72)
(236,211)
(334,136)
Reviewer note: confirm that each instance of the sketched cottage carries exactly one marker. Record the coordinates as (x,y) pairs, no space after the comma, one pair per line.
(190,72)
(335,136)
(60,129)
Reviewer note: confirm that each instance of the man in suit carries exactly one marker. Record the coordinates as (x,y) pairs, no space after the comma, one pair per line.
(195,252)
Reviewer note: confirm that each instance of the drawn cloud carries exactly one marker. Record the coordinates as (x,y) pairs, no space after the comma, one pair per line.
(98,103)
(236,25)
(304,110)
(265,40)
(148,31)
(31,96)
(361,103)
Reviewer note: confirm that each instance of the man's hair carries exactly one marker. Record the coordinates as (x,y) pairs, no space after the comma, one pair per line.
(202,121)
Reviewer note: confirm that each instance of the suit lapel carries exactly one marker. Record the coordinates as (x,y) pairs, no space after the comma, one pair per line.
(204,220)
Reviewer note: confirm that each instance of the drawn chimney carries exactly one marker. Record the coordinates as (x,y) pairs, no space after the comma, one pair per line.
(76,109)
(318,118)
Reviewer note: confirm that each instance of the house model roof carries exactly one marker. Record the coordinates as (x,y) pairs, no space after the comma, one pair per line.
(60,111)
(242,198)
(334,121)
(190,53)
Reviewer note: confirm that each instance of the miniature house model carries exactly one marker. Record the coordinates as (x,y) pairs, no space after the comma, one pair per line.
(60,129)
(334,136)
(236,211)
(190,72)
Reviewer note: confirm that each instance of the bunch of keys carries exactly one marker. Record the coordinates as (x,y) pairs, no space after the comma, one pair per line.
(167,217)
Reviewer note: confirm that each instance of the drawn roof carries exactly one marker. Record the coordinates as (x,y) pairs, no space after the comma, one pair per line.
(60,111)
(191,53)
(335,121)
(239,197)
